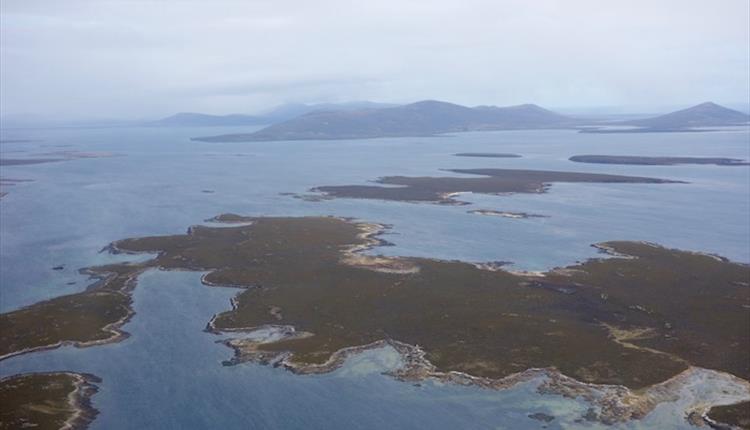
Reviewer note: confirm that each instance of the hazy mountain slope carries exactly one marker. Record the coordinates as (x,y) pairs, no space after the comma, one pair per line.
(293,110)
(417,119)
(190,119)
(279,114)
(703,115)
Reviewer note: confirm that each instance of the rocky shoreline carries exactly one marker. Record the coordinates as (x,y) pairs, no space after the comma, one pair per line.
(506,214)
(42,400)
(610,404)
(270,325)
(85,413)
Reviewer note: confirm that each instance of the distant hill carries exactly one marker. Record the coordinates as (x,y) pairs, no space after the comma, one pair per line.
(703,115)
(281,113)
(189,119)
(293,110)
(423,118)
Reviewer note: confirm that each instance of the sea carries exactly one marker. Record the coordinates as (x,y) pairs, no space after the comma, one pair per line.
(154,181)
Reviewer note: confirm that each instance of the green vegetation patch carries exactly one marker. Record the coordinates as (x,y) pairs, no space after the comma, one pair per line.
(633,320)
(485,181)
(737,416)
(46,401)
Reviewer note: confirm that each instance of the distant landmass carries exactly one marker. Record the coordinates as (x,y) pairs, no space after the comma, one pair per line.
(425,118)
(656,161)
(487,155)
(694,118)
(281,113)
(190,119)
(293,110)
(707,114)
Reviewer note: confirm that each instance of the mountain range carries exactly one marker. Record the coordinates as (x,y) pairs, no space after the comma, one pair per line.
(424,118)
(430,117)
(281,113)
(363,119)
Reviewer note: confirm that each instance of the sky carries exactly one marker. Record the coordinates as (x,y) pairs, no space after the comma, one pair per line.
(143,59)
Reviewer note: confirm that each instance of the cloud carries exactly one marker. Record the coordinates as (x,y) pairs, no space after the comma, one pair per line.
(146,58)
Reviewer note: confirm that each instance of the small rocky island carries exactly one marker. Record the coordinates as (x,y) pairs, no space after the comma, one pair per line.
(487,155)
(656,161)
(53,157)
(506,214)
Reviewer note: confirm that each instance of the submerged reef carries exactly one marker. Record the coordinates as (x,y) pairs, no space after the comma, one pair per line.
(636,319)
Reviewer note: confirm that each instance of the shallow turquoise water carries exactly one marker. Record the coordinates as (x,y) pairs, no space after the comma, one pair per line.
(156,378)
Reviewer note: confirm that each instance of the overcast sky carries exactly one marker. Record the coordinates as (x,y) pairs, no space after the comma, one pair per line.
(138,59)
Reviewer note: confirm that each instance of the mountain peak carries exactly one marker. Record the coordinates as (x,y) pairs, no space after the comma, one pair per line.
(434,104)
(706,114)
(710,106)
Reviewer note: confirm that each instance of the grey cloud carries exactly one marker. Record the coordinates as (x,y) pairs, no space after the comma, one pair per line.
(148,58)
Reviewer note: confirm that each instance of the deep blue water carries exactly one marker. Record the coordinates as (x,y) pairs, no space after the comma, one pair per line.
(168,374)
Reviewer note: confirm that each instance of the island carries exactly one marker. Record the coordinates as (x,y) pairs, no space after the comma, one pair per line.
(484,181)
(626,331)
(25,161)
(506,214)
(656,161)
(59,400)
(424,118)
(53,157)
(487,155)
(91,317)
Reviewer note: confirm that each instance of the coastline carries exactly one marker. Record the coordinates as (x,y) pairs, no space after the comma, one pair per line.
(103,279)
(611,404)
(615,403)
(78,400)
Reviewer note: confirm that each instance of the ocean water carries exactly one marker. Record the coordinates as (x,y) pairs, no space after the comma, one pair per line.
(168,374)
